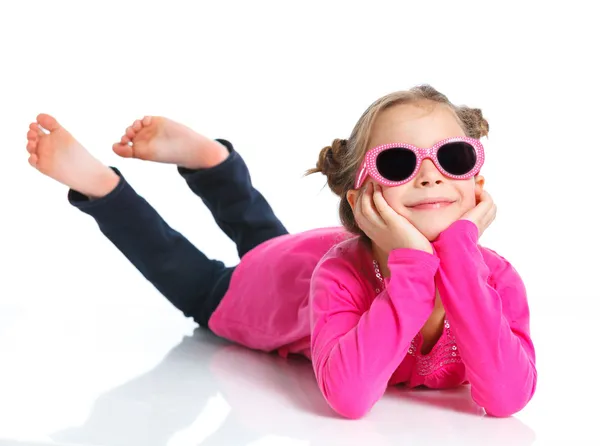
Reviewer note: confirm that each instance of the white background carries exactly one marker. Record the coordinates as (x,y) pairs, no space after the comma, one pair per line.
(281,80)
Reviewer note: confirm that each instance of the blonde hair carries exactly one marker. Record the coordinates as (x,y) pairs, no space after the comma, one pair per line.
(340,161)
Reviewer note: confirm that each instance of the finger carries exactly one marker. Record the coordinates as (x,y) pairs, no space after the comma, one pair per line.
(485,197)
(490,216)
(383,208)
(369,209)
(358,201)
(481,209)
(361,218)
(358,214)
(365,200)
(484,222)
(376,215)
(487,205)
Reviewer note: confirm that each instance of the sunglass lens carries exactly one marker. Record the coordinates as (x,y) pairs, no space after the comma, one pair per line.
(396,164)
(457,158)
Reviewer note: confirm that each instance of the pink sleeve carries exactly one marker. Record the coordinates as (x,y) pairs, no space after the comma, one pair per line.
(490,321)
(356,347)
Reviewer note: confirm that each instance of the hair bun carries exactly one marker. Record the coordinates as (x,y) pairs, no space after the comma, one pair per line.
(330,164)
(472,118)
(338,148)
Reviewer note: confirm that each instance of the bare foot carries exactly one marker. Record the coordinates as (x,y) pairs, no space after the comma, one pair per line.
(54,152)
(159,139)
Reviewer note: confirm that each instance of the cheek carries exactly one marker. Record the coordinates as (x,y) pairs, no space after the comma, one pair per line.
(393,196)
(468,199)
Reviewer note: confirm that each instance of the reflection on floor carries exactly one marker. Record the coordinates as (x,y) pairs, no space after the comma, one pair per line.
(209,392)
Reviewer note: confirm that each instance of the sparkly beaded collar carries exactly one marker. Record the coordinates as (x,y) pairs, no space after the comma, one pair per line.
(444,352)
(378,275)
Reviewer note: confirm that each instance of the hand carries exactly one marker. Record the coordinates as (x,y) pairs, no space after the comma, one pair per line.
(483,214)
(383,225)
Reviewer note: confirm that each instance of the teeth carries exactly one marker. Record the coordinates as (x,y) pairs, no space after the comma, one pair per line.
(437,205)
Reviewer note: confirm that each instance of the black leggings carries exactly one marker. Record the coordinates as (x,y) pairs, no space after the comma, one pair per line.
(191,281)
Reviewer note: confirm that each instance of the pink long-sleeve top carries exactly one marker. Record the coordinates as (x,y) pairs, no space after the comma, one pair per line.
(318,294)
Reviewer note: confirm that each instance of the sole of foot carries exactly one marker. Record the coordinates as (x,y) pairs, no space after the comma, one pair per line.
(54,152)
(159,139)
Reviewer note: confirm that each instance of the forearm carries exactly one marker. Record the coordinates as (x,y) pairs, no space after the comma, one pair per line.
(355,355)
(497,352)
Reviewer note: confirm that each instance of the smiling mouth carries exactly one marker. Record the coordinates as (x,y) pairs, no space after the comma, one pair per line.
(432,206)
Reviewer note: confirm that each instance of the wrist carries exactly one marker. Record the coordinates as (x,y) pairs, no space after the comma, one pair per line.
(428,248)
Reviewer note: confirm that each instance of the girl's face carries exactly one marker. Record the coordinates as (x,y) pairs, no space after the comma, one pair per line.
(423,125)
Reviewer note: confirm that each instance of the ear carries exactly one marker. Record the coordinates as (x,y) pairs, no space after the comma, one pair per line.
(479,183)
(351,196)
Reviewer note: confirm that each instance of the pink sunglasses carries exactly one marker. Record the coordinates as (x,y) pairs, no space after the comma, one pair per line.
(395,164)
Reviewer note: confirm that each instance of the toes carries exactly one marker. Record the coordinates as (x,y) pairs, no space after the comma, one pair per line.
(147,120)
(125,139)
(137,125)
(31,146)
(33,160)
(123,150)
(130,132)
(36,128)
(48,122)
(32,135)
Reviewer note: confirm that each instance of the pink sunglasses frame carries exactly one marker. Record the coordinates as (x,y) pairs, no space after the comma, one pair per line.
(369,167)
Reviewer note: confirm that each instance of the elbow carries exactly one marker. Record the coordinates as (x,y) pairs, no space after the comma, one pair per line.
(509,394)
(503,410)
(504,403)
(349,401)
(348,389)
(504,407)
(352,410)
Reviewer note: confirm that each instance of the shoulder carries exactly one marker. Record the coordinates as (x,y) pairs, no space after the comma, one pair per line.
(502,272)
(346,269)
(346,256)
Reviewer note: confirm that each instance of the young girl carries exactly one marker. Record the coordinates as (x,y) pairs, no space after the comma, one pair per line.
(403,293)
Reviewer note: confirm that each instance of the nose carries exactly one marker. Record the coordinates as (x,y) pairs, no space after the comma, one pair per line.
(428,174)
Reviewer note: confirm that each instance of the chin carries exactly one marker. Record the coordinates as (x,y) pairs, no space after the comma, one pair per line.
(433,230)
(432,235)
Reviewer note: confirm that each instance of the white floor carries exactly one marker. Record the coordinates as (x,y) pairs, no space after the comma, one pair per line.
(88,376)
(202,391)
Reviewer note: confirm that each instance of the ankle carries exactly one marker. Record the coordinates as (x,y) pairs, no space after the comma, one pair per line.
(218,154)
(102,184)
(209,154)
